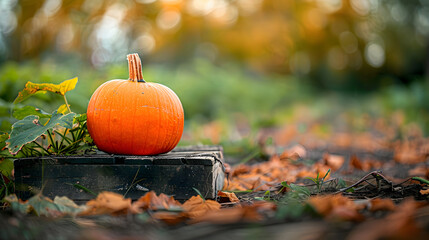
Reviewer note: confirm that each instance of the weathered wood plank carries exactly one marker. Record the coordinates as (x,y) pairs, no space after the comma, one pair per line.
(175,173)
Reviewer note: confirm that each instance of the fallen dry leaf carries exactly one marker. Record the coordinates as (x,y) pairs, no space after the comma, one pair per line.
(230,215)
(170,218)
(336,207)
(409,152)
(398,225)
(108,203)
(382,204)
(227,197)
(196,206)
(240,169)
(333,161)
(424,191)
(419,171)
(294,153)
(364,165)
(265,175)
(356,163)
(153,202)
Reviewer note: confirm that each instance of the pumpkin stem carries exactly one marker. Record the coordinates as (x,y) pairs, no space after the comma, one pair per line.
(135,68)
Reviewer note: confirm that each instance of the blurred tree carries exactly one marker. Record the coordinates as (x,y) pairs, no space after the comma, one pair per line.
(336,44)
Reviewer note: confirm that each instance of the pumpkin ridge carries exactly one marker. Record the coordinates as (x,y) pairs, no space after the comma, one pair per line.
(98,116)
(143,143)
(167,116)
(177,112)
(110,120)
(174,131)
(133,138)
(160,131)
(170,116)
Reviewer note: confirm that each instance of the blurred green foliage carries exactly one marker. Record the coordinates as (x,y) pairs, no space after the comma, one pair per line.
(347,45)
(207,92)
(223,95)
(234,64)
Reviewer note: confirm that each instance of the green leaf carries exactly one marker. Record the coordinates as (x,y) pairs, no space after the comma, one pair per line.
(88,139)
(23,112)
(80,187)
(80,118)
(300,189)
(16,205)
(32,88)
(329,170)
(41,205)
(199,193)
(66,205)
(6,167)
(315,180)
(29,129)
(341,184)
(3,138)
(293,210)
(63,109)
(422,180)
(284,184)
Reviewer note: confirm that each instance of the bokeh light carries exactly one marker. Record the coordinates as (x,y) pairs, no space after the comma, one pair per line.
(313,39)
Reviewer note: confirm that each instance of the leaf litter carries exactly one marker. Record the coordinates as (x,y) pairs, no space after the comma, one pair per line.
(334,181)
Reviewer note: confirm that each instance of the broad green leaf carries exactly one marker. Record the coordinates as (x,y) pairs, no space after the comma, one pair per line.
(32,88)
(63,109)
(23,112)
(4,108)
(80,118)
(6,167)
(17,205)
(29,129)
(294,210)
(88,139)
(66,205)
(3,138)
(42,205)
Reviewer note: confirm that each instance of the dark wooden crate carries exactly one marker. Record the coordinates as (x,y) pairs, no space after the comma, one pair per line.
(175,173)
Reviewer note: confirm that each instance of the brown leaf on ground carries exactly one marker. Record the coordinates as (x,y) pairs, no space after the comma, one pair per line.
(153,202)
(422,171)
(227,197)
(253,180)
(230,215)
(364,165)
(108,203)
(265,175)
(356,163)
(424,191)
(295,152)
(170,218)
(240,169)
(196,206)
(336,207)
(400,224)
(333,161)
(382,204)
(409,152)
(322,170)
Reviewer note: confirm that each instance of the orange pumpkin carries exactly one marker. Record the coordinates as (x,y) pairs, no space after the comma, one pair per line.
(133,116)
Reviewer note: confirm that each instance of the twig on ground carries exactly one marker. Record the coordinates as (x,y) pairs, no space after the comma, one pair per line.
(375,174)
